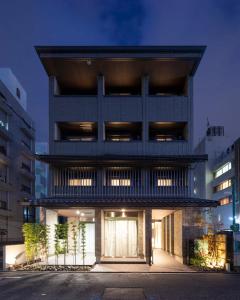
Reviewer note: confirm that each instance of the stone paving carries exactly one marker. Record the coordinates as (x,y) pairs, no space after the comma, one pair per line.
(163,262)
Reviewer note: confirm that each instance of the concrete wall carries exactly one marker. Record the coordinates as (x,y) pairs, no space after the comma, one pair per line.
(51,220)
(13,255)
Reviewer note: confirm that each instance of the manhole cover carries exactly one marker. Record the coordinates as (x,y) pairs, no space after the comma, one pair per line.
(123,294)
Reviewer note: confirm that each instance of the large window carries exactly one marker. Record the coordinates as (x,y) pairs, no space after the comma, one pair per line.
(223,169)
(225,201)
(123,131)
(76,131)
(167,131)
(223,185)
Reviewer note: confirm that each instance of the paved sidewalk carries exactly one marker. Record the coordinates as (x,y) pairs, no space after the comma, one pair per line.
(163,262)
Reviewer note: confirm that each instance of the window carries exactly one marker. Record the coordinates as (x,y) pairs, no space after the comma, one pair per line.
(28,214)
(120,182)
(223,185)
(76,131)
(3,119)
(164,182)
(80,182)
(225,201)
(223,169)
(123,131)
(18,93)
(167,131)
(3,204)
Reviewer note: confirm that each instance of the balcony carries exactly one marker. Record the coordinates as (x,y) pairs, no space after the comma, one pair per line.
(3,155)
(120,182)
(26,171)
(26,190)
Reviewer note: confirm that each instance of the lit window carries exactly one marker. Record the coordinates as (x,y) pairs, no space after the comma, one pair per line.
(223,169)
(225,201)
(223,185)
(164,182)
(80,182)
(120,182)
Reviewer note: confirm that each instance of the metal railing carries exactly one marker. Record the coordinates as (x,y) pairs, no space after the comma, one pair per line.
(83,181)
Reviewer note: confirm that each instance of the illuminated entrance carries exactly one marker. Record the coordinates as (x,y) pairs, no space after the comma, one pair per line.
(121,234)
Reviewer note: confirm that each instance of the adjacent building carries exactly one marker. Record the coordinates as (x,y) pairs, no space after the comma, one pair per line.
(41,176)
(218,178)
(16,158)
(121,148)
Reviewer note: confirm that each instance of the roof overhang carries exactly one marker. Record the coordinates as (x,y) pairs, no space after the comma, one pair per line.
(153,202)
(77,67)
(131,160)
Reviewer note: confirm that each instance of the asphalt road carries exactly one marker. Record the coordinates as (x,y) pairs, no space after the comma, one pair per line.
(96,286)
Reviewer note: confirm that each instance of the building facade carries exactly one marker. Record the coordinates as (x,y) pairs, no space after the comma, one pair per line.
(41,177)
(16,158)
(121,148)
(218,178)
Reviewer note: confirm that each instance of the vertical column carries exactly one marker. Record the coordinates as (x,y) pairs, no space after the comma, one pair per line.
(101,92)
(190,111)
(98,239)
(145,89)
(51,111)
(140,234)
(148,235)
(172,233)
(42,215)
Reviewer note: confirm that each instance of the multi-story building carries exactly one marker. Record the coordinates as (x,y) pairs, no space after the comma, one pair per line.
(121,147)
(16,158)
(41,176)
(218,178)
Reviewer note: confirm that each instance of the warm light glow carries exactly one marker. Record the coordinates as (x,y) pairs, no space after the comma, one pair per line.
(78,212)
(223,185)
(164,182)
(123,214)
(80,182)
(120,182)
(93,219)
(112,214)
(82,214)
(225,201)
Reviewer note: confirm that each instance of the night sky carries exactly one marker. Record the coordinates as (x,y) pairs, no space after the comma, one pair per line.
(214,23)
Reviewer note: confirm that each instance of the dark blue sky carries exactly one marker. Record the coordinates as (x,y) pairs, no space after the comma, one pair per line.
(215,23)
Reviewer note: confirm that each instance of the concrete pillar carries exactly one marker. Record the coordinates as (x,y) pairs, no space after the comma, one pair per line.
(140,234)
(98,239)
(145,89)
(148,235)
(163,235)
(101,92)
(172,233)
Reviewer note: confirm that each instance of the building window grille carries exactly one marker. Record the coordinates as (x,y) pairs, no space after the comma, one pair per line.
(120,182)
(164,182)
(81,182)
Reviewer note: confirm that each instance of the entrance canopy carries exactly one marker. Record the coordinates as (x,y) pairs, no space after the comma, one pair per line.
(157,202)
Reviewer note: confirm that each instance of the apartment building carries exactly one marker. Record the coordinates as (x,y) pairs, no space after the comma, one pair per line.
(121,148)
(218,178)
(16,158)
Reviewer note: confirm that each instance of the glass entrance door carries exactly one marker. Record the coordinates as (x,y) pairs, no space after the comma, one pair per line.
(120,238)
